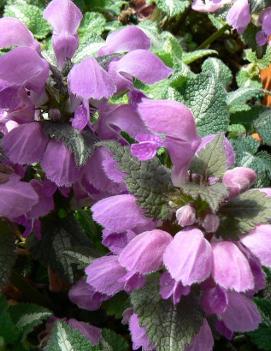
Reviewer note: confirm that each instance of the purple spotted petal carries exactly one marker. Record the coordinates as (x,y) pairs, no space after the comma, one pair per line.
(25,144)
(259,243)
(104,275)
(59,165)
(119,213)
(239,15)
(214,300)
(144,253)
(101,171)
(83,295)
(63,15)
(241,314)
(231,269)
(126,39)
(139,335)
(88,79)
(81,117)
(188,258)
(116,118)
(175,121)
(64,46)
(116,242)
(23,66)
(130,66)
(16,198)
(204,340)
(45,190)
(93,334)
(15,33)
(170,288)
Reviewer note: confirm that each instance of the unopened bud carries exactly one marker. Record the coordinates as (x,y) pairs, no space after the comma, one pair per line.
(238,180)
(210,223)
(186,215)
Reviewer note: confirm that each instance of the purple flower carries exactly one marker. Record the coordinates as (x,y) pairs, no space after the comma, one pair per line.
(186,215)
(263,35)
(210,223)
(175,122)
(124,40)
(15,33)
(188,257)
(83,295)
(239,179)
(239,15)
(204,340)
(88,80)
(17,197)
(139,335)
(241,315)
(214,300)
(25,144)
(144,253)
(65,18)
(147,146)
(59,165)
(236,274)
(169,288)
(104,275)
(119,213)
(207,5)
(258,241)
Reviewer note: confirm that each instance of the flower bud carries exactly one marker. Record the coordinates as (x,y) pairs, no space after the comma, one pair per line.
(239,179)
(186,215)
(210,223)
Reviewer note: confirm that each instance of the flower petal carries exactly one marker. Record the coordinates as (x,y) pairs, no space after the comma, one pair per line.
(144,253)
(88,79)
(231,269)
(188,258)
(204,340)
(126,39)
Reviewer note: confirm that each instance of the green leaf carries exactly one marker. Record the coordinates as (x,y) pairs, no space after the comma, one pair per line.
(259,5)
(212,195)
(248,117)
(263,126)
(117,305)
(206,97)
(172,7)
(88,47)
(58,236)
(211,161)
(149,181)
(82,145)
(170,327)
(81,256)
(117,342)
(7,251)
(8,329)
(28,316)
(262,337)
(243,213)
(237,100)
(189,57)
(64,338)
(236,130)
(261,62)
(219,69)
(244,145)
(93,25)
(31,15)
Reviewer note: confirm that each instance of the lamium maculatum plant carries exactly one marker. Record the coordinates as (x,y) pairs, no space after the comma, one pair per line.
(130,185)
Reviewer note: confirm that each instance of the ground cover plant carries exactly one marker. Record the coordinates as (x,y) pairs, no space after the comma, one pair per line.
(135,167)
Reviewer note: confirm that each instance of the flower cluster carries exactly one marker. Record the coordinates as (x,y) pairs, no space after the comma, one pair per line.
(193,248)
(238,16)
(48,109)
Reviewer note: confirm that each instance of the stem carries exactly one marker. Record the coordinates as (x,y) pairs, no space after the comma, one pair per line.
(214,37)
